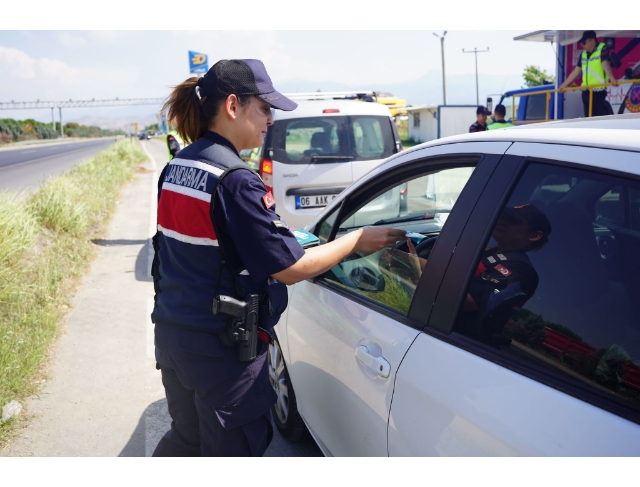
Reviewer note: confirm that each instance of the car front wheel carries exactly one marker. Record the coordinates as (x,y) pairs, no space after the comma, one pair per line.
(285,411)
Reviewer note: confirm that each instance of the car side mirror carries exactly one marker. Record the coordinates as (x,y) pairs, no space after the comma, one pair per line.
(367,279)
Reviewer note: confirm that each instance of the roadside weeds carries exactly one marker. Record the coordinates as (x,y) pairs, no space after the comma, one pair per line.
(45,246)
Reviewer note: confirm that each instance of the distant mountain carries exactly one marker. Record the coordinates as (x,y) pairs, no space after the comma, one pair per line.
(426,90)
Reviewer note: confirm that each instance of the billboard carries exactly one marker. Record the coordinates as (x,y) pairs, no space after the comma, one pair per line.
(198,62)
(625,64)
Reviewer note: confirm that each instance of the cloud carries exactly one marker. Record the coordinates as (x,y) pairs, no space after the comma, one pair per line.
(28,78)
(70,40)
(16,63)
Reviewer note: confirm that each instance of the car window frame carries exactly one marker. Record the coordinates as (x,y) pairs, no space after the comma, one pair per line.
(460,271)
(485,165)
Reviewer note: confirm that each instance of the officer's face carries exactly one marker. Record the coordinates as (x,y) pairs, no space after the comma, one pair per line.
(512,233)
(254,118)
(589,45)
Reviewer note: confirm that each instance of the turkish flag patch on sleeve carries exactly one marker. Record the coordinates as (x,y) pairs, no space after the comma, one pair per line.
(503,270)
(268,200)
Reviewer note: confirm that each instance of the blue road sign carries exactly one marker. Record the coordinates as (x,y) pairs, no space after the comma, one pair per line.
(198,62)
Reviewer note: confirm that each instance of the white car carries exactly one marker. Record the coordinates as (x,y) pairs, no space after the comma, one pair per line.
(311,154)
(375,357)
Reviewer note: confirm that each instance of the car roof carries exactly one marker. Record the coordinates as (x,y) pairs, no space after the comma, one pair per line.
(620,132)
(314,108)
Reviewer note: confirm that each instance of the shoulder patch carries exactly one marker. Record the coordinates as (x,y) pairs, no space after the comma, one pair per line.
(268,200)
(280,224)
(503,270)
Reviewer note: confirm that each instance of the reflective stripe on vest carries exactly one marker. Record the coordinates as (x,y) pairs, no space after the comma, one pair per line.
(592,69)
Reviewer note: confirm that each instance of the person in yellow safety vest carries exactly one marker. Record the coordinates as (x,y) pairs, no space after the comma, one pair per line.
(596,70)
(174,143)
(498,118)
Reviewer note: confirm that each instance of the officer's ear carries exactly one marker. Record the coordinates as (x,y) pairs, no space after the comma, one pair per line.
(535,236)
(231,106)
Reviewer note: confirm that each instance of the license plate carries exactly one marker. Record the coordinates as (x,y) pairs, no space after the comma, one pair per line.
(316,201)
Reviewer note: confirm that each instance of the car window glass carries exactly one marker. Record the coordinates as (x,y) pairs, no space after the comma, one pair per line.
(324,229)
(421,207)
(367,133)
(309,137)
(610,206)
(634,208)
(569,299)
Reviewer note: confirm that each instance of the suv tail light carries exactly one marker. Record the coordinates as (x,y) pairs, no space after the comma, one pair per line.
(266,173)
(403,188)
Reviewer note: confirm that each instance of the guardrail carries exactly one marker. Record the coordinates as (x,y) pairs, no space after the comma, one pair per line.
(571,88)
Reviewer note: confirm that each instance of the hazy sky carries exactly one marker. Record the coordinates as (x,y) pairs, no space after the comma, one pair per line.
(372,46)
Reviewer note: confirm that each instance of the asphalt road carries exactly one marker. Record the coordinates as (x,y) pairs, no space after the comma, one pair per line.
(25,169)
(103,396)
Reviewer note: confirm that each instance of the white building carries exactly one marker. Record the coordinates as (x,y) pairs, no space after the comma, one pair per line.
(429,122)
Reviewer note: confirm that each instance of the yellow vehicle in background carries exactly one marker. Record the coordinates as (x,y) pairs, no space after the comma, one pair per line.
(394,104)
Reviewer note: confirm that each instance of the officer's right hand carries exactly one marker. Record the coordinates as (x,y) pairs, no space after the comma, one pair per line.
(374,239)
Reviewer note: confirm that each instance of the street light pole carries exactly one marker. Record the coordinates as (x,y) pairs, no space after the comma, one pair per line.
(475,51)
(444,85)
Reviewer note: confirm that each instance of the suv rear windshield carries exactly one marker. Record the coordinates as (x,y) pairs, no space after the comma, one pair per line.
(331,139)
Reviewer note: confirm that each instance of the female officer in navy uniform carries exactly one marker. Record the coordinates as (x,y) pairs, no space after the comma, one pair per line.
(219,235)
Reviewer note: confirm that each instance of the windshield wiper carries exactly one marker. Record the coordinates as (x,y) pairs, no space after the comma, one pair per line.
(331,158)
(422,216)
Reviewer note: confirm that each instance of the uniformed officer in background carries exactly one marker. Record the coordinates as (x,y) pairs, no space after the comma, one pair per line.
(221,241)
(480,125)
(174,143)
(499,122)
(595,67)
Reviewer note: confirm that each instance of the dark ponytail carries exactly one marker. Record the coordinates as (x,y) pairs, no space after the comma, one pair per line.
(183,110)
(191,114)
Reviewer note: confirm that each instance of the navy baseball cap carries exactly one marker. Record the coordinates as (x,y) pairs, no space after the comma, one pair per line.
(528,213)
(587,34)
(243,77)
(482,111)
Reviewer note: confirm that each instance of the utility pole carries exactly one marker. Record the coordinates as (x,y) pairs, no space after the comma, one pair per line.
(444,86)
(475,51)
(61,132)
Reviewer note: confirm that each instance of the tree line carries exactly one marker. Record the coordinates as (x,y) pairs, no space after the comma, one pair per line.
(14,130)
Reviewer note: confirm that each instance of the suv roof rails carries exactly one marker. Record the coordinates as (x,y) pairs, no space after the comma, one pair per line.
(334,95)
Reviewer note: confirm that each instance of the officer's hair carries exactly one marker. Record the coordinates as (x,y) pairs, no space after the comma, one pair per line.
(191,114)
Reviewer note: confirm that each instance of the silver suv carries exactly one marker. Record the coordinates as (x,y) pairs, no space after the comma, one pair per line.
(314,152)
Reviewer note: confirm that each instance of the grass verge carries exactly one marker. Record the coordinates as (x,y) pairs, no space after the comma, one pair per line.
(45,242)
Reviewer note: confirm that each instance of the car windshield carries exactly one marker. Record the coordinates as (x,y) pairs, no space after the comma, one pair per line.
(331,139)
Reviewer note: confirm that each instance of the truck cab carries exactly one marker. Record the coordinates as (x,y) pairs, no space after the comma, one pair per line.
(528,105)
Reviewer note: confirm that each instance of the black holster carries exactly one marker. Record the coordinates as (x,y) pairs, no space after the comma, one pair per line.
(242,329)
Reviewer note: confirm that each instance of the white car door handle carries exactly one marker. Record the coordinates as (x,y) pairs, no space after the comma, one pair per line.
(378,364)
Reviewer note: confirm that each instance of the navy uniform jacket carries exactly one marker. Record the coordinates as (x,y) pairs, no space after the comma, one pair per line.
(503,282)
(189,270)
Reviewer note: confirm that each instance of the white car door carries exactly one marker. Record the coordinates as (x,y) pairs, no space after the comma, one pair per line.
(555,372)
(343,358)
(348,332)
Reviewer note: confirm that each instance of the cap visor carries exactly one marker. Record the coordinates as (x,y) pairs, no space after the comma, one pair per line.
(279,101)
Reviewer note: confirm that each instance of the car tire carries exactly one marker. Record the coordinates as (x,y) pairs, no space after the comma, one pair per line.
(285,411)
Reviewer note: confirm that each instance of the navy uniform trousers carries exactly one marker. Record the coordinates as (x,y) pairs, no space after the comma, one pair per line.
(219,406)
